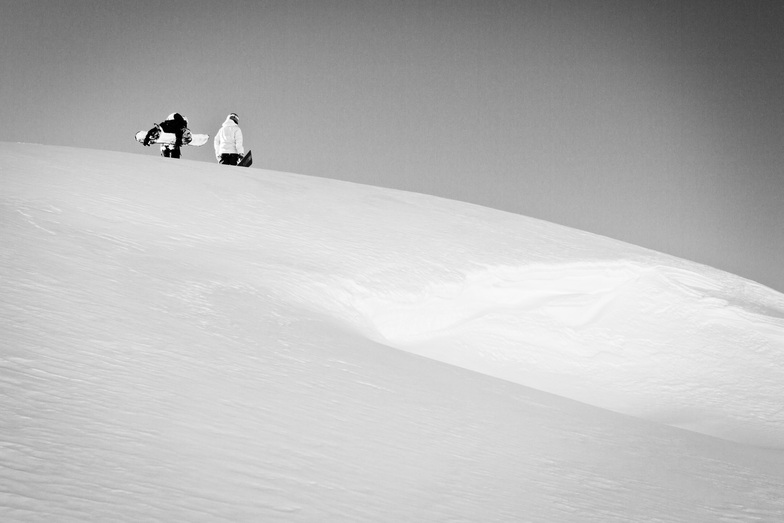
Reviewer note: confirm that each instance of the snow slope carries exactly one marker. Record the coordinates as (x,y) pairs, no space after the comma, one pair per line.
(191,342)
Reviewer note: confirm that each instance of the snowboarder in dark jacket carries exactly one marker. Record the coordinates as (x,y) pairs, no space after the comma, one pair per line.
(175,124)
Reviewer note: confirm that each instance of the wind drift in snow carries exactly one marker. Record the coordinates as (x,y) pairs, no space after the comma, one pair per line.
(691,347)
(582,316)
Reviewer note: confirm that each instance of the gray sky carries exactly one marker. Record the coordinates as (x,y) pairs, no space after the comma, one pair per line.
(660,123)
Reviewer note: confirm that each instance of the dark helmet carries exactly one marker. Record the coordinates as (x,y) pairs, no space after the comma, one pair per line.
(233,117)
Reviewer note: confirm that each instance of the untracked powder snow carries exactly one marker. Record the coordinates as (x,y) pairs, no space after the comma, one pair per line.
(184,341)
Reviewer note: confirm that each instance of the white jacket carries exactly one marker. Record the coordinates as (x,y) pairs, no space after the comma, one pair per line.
(229,139)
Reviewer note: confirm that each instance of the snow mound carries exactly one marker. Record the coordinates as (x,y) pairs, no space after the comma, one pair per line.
(186,341)
(561,310)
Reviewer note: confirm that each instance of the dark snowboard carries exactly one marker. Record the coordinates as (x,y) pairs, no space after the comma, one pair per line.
(246,161)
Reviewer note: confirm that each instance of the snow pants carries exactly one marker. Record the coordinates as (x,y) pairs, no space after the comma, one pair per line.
(229,159)
(170,151)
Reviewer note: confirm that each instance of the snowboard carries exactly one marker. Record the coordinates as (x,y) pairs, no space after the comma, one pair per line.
(246,161)
(197,140)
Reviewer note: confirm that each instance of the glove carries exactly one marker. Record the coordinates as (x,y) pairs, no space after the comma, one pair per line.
(152,134)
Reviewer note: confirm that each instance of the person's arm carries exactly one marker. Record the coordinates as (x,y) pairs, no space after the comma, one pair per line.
(238,142)
(216,143)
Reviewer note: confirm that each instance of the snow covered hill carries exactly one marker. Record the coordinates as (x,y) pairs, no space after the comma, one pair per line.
(184,341)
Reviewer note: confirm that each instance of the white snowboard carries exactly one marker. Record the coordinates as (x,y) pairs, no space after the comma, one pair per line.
(197,140)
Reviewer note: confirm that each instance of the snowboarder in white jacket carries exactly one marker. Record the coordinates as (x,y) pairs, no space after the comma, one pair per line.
(228,141)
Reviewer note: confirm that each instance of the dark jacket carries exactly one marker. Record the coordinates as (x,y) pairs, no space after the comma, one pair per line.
(176,125)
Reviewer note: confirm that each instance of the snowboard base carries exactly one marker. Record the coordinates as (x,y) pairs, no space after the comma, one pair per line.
(197,140)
